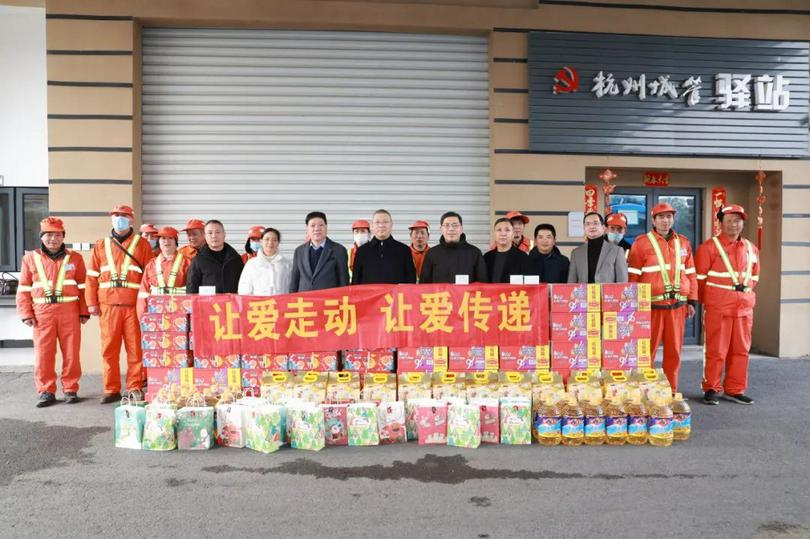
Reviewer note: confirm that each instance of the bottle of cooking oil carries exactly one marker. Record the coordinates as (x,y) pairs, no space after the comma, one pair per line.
(594,423)
(682,417)
(573,423)
(661,424)
(615,423)
(636,421)
(548,424)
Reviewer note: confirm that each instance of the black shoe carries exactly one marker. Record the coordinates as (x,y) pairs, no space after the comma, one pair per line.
(71,397)
(46,399)
(107,398)
(739,399)
(711,397)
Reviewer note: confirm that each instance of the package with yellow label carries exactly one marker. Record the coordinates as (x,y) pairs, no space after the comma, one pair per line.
(343,387)
(547,388)
(309,386)
(585,386)
(515,384)
(414,385)
(449,384)
(277,386)
(653,384)
(482,385)
(378,387)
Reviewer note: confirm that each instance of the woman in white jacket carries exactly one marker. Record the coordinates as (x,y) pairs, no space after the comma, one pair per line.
(268,274)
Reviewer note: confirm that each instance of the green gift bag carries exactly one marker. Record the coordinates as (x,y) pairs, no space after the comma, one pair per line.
(159,427)
(263,427)
(464,425)
(516,421)
(306,426)
(195,425)
(129,421)
(362,421)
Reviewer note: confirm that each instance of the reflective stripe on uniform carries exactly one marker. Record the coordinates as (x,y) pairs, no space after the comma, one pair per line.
(701,276)
(143,294)
(53,294)
(746,277)
(115,275)
(727,287)
(56,299)
(668,285)
(24,288)
(93,273)
(634,271)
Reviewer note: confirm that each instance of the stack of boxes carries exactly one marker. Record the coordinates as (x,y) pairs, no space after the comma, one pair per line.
(626,326)
(575,321)
(166,343)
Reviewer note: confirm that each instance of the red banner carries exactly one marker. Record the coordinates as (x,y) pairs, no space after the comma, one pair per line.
(718,201)
(656,178)
(371,316)
(591,202)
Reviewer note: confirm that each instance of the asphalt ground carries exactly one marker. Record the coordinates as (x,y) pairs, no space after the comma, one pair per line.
(744,473)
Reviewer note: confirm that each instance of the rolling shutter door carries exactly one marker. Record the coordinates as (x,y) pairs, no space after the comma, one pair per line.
(259,127)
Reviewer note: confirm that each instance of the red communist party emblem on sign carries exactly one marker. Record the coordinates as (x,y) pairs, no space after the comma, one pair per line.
(566,80)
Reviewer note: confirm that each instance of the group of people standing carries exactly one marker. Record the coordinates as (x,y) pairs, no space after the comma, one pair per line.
(57,293)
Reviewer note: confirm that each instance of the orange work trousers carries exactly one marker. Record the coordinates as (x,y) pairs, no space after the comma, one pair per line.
(57,323)
(728,341)
(120,323)
(669,325)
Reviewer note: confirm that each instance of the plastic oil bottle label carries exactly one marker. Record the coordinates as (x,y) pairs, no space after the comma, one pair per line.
(636,425)
(683,421)
(547,426)
(573,427)
(616,425)
(661,426)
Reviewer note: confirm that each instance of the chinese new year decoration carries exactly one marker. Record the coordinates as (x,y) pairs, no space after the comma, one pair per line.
(591,201)
(607,176)
(718,201)
(655,178)
(760,177)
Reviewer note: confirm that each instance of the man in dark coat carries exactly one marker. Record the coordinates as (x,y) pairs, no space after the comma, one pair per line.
(453,256)
(320,262)
(216,264)
(506,259)
(545,258)
(383,259)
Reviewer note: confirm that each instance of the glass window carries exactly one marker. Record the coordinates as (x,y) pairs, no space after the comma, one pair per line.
(7,255)
(34,210)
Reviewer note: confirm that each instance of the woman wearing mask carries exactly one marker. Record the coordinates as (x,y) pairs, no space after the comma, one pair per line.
(268,272)
(253,244)
(505,259)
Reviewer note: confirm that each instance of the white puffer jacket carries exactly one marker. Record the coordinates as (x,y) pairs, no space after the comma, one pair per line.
(266,276)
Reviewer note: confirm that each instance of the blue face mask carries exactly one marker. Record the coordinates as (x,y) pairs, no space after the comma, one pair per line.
(256,246)
(153,243)
(120,223)
(614,237)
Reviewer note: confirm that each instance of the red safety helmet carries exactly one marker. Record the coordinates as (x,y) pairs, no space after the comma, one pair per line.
(168,232)
(512,215)
(420,224)
(617,219)
(194,224)
(51,224)
(662,208)
(732,208)
(123,209)
(360,223)
(148,228)
(255,232)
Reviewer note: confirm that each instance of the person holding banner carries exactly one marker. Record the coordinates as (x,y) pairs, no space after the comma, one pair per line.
(506,259)
(217,264)
(165,274)
(597,260)
(453,256)
(383,259)
(269,272)
(320,262)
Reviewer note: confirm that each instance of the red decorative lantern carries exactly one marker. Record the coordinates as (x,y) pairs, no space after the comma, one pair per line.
(760,177)
(608,176)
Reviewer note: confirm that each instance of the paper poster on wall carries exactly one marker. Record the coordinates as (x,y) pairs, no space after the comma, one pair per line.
(632,217)
(575,226)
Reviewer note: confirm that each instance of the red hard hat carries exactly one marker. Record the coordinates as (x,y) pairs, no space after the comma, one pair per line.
(51,224)
(517,215)
(617,219)
(733,208)
(662,208)
(194,224)
(148,228)
(255,232)
(420,224)
(168,232)
(360,223)
(123,209)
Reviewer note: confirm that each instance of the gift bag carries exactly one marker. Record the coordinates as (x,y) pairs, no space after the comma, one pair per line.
(490,420)
(464,425)
(516,421)
(195,425)
(230,430)
(411,419)
(379,387)
(391,422)
(362,419)
(129,421)
(431,416)
(158,429)
(335,417)
(264,427)
(306,426)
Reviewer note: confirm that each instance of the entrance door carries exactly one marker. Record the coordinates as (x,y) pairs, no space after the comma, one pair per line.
(636,204)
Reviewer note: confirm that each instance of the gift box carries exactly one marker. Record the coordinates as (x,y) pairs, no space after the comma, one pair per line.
(489,410)
(472,358)
(165,359)
(379,387)
(363,427)
(620,326)
(368,360)
(312,361)
(164,340)
(516,422)
(336,425)
(306,426)
(547,388)
(158,322)
(129,422)
(211,383)
(583,354)
(264,427)
(619,297)
(626,354)
(153,322)
(464,425)
(230,361)
(482,385)
(515,385)
(230,421)
(449,384)
(575,326)
(272,362)
(414,385)
(343,387)
(615,385)
(391,422)
(277,386)
(159,378)
(159,427)
(161,304)
(309,386)
(574,298)
(422,359)
(524,358)
(252,380)
(431,419)
(195,426)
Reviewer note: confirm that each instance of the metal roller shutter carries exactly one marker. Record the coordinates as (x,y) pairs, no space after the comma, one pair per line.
(259,127)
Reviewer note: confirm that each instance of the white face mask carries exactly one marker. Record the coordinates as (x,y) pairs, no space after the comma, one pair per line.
(120,223)
(615,237)
(360,238)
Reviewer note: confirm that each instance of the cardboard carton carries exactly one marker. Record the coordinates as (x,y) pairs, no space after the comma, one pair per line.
(574,298)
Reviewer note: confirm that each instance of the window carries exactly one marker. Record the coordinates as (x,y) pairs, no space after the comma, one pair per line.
(21,210)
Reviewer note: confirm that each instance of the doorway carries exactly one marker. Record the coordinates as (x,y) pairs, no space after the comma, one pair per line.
(636,203)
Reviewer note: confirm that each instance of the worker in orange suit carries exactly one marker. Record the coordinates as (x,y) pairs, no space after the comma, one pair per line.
(195,232)
(420,234)
(50,299)
(166,273)
(149,233)
(663,258)
(113,280)
(616,229)
(727,272)
(361,234)
(253,244)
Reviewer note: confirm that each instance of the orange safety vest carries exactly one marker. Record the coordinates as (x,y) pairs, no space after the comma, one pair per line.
(45,281)
(727,272)
(113,277)
(667,265)
(163,276)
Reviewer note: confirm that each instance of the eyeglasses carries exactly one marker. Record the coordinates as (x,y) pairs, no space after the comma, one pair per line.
(451,226)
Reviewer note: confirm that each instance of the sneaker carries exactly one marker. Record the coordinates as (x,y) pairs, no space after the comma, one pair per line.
(711,397)
(107,398)
(135,394)
(46,399)
(739,399)
(71,397)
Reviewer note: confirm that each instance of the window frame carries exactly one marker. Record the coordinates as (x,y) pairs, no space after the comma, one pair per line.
(16,235)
